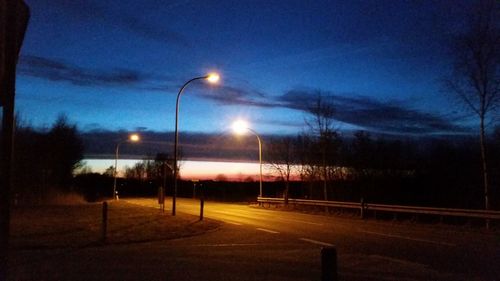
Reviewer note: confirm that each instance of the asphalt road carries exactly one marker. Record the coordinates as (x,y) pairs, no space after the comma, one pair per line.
(266,244)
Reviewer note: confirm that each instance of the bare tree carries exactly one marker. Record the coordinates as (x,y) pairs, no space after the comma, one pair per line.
(327,139)
(476,75)
(138,171)
(362,152)
(282,160)
(308,169)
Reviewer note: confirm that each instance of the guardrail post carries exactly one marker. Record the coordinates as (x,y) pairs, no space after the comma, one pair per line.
(104,221)
(329,264)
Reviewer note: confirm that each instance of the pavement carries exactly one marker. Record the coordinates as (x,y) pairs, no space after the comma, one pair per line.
(254,243)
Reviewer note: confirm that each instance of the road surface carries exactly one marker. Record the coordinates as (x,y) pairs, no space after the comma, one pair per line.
(265,244)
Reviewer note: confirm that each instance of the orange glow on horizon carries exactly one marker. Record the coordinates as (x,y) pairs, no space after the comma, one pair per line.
(200,170)
(213,169)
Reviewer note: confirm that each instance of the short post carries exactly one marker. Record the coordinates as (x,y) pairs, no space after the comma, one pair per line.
(161,198)
(329,264)
(195,183)
(104,221)
(202,200)
(362,208)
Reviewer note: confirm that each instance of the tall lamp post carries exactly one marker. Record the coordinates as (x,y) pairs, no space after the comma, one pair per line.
(132,138)
(211,78)
(240,127)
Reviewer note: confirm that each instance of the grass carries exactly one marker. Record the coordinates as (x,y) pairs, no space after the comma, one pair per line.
(80,225)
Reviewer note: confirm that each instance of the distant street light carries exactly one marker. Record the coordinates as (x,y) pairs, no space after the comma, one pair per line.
(240,127)
(134,137)
(131,138)
(211,78)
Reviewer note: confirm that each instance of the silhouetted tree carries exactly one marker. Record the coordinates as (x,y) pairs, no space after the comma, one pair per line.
(476,75)
(64,152)
(282,159)
(45,160)
(110,171)
(151,170)
(326,138)
(163,169)
(308,169)
(221,178)
(138,171)
(362,152)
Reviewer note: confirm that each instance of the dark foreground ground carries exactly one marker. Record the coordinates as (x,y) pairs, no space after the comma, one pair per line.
(64,242)
(238,242)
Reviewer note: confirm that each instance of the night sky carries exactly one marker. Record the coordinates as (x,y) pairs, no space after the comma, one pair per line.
(117,65)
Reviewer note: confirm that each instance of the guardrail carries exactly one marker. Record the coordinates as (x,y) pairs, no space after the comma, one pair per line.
(363,207)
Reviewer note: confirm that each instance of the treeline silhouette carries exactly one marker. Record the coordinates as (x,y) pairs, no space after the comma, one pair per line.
(44,161)
(438,171)
(442,172)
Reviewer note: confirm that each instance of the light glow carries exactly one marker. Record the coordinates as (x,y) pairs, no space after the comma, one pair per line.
(240,127)
(134,138)
(213,78)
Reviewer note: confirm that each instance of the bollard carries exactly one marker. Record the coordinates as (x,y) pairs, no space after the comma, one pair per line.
(161,198)
(328,264)
(202,202)
(362,209)
(104,221)
(202,205)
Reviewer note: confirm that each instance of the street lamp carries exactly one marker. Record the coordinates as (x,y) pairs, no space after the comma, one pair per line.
(240,127)
(211,78)
(131,138)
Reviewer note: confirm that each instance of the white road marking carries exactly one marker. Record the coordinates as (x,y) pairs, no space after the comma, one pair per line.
(316,242)
(267,230)
(299,221)
(232,222)
(226,245)
(409,238)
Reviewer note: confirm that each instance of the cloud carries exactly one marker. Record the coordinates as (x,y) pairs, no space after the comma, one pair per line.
(381,116)
(61,71)
(372,114)
(232,95)
(101,144)
(282,123)
(57,70)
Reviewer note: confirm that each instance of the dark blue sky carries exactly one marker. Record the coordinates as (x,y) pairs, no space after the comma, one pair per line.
(118,65)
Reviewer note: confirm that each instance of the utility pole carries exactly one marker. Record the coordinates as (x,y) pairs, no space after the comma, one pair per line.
(14,15)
